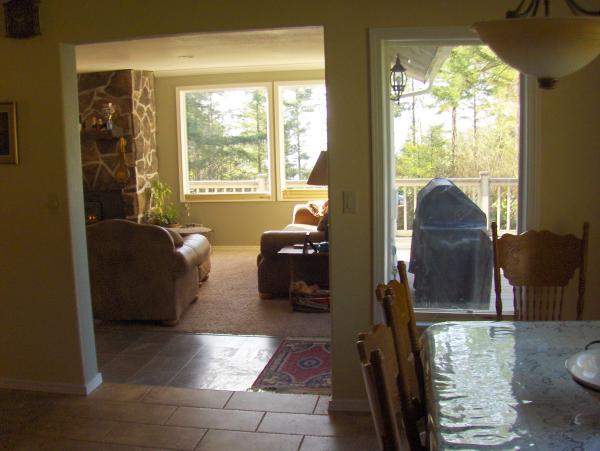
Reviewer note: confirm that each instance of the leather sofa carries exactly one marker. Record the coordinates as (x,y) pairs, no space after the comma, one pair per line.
(274,269)
(143,271)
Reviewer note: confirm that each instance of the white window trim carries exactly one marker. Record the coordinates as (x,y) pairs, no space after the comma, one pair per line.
(275,147)
(381,159)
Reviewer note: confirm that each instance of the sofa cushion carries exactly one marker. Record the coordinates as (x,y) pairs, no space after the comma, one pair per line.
(300,228)
(177,238)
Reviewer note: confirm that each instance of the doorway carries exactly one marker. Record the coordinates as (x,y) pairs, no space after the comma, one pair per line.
(442,127)
(239,199)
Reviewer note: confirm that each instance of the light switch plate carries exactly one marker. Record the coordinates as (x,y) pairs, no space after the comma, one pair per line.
(349,202)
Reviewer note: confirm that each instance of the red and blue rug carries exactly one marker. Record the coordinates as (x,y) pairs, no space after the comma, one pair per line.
(298,366)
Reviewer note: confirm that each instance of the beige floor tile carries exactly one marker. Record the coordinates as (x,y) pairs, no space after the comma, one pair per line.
(345,443)
(272,402)
(111,410)
(248,441)
(322,405)
(14,420)
(171,437)
(120,392)
(40,443)
(72,428)
(236,420)
(292,423)
(20,406)
(189,397)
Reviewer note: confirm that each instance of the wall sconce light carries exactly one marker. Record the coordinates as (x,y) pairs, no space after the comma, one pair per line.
(397,79)
(22,18)
(545,47)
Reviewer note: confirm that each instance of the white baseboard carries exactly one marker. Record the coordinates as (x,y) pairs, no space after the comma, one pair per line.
(236,248)
(92,385)
(349,405)
(52,387)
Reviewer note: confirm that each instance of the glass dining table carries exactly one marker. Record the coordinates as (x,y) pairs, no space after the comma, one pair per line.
(504,385)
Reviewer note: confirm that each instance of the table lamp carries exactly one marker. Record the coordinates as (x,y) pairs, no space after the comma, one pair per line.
(318,177)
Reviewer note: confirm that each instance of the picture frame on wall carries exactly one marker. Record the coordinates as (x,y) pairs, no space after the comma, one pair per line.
(8,133)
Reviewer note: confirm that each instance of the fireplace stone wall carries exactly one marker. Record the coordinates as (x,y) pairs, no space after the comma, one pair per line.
(132,94)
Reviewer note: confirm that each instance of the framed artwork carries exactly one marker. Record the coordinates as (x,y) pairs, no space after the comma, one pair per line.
(8,133)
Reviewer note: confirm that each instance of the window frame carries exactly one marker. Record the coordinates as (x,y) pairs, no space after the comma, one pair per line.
(275,145)
(182,161)
(282,193)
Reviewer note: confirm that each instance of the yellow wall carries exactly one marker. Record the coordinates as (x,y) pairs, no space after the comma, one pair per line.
(570,167)
(43,289)
(233,223)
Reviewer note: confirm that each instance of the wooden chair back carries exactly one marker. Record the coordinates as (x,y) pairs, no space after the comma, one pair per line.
(539,265)
(403,296)
(395,300)
(381,374)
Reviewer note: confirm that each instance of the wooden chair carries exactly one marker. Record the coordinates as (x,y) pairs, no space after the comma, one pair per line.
(538,265)
(381,376)
(396,302)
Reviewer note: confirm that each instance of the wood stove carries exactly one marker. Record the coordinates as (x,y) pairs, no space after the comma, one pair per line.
(100,205)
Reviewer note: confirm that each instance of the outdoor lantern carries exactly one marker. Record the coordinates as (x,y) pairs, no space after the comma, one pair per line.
(545,47)
(397,79)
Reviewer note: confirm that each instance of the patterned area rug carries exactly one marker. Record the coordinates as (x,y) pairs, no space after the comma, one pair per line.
(298,366)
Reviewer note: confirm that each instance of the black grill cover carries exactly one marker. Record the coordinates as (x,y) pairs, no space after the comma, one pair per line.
(451,251)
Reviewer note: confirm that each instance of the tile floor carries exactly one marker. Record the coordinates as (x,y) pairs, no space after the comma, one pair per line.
(133,417)
(218,362)
(165,390)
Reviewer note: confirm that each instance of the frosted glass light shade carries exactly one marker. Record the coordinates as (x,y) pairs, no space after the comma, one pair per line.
(546,47)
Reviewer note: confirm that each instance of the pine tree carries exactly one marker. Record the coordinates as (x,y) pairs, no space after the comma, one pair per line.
(295,106)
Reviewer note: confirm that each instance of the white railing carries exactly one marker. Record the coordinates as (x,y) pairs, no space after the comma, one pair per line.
(258,185)
(496,196)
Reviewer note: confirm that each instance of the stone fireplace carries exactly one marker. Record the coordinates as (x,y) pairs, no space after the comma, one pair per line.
(131,93)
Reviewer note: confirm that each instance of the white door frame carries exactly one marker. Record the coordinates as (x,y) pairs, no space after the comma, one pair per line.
(382,168)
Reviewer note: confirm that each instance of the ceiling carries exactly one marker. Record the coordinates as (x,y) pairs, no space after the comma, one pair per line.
(421,62)
(243,51)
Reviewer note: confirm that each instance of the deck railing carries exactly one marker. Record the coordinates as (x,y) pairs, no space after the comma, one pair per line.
(258,185)
(496,196)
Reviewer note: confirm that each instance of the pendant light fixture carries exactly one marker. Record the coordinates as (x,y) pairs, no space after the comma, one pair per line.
(397,79)
(545,47)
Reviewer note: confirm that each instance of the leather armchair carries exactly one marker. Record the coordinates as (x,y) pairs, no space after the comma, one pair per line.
(143,271)
(274,269)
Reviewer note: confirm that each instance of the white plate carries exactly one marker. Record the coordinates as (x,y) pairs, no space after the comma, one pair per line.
(585,367)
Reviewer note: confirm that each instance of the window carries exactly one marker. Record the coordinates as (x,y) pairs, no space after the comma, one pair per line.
(303,135)
(225,141)
(228,149)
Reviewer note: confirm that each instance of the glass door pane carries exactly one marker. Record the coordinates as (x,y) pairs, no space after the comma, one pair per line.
(456,134)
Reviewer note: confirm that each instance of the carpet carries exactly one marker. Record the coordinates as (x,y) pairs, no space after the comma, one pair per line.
(228,303)
(298,366)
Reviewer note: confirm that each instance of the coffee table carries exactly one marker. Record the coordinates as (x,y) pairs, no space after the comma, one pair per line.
(302,266)
(184,230)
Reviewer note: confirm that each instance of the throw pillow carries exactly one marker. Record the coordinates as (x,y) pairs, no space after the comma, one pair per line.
(324,220)
(177,239)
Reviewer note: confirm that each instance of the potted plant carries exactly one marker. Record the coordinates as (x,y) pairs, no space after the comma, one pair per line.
(161,211)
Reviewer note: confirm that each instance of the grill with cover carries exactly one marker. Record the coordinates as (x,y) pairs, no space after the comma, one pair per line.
(451,251)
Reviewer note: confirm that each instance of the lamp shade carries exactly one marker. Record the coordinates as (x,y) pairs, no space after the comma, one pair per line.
(318,175)
(546,47)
